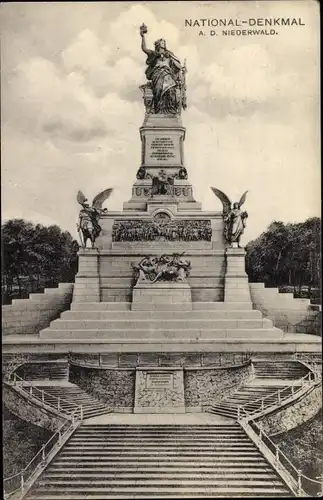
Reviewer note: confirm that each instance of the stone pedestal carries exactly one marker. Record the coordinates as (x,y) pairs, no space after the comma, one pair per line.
(236,286)
(147,296)
(162,157)
(159,390)
(87,281)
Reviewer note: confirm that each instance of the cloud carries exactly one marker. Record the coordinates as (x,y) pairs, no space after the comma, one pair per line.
(74,132)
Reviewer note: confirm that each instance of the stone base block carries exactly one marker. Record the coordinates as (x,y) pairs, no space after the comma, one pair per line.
(159,390)
(148,294)
(123,409)
(193,409)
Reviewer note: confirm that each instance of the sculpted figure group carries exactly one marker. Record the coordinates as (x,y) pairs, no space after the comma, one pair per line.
(164,268)
(170,230)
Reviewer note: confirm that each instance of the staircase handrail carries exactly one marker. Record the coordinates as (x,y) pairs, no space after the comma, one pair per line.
(307,379)
(42,361)
(309,363)
(38,461)
(296,474)
(43,393)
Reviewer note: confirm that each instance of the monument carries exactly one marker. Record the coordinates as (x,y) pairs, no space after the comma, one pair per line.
(162,276)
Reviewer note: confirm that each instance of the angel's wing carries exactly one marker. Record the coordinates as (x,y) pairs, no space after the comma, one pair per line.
(101,197)
(223,198)
(80,198)
(243,199)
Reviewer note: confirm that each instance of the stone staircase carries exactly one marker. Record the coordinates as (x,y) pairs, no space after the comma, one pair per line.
(43,370)
(72,395)
(228,407)
(158,461)
(207,320)
(285,370)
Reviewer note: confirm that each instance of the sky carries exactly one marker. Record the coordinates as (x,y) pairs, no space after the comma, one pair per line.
(71,107)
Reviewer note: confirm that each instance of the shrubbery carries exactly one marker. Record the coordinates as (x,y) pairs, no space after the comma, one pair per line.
(303,446)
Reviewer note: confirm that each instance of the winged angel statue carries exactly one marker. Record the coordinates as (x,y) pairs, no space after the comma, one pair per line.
(88,225)
(234,218)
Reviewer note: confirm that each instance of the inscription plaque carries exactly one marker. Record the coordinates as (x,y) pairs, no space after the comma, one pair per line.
(160,380)
(161,150)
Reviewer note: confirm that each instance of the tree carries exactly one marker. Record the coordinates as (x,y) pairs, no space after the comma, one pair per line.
(286,255)
(35,256)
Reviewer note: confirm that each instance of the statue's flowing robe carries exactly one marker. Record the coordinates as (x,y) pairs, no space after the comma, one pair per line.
(235,225)
(89,221)
(162,75)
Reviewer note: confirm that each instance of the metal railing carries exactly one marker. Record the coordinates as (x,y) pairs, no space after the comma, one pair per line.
(310,362)
(280,396)
(22,480)
(301,484)
(59,404)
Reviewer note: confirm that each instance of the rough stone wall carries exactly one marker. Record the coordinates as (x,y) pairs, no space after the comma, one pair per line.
(22,407)
(35,313)
(286,312)
(115,387)
(295,414)
(208,385)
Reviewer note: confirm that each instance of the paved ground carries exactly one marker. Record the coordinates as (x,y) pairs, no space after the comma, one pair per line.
(32,338)
(159,419)
(273,381)
(38,383)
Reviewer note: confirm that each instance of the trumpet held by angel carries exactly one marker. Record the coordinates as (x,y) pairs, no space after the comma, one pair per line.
(234,218)
(88,225)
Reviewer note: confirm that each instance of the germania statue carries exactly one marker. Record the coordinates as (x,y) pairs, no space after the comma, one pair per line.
(166,77)
(88,225)
(234,218)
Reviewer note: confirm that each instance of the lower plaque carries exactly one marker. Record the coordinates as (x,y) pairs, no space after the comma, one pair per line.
(159,391)
(159,380)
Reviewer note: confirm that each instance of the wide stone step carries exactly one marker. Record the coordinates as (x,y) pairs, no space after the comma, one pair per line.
(78,393)
(231,404)
(96,413)
(158,482)
(100,306)
(126,306)
(162,324)
(155,315)
(270,369)
(162,440)
(223,413)
(87,401)
(144,492)
(168,427)
(217,475)
(162,335)
(173,461)
(72,394)
(152,453)
(213,433)
(127,445)
(155,467)
(75,395)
